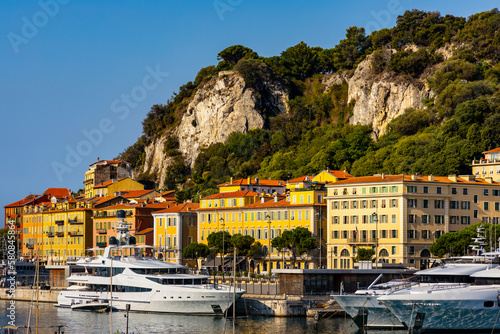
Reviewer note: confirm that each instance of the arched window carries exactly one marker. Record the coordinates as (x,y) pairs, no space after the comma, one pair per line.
(344,253)
(383,253)
(425,253)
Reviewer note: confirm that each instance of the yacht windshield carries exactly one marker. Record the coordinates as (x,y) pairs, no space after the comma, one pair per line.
(158,271)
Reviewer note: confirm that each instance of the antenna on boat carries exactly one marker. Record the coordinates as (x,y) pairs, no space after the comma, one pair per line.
(479,240)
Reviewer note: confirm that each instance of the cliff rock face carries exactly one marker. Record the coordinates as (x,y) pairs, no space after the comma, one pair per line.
(225,105)
(379,98)
(220,107)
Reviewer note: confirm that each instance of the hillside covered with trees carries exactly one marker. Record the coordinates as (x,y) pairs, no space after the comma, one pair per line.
(460,121)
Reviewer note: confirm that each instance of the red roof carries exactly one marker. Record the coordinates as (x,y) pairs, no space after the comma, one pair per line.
(58,192)
(185,207)
(244,182)
(339,174)
(22,202)
(239,193)
(136,193)
(493,150)
(145,231)
(306,178)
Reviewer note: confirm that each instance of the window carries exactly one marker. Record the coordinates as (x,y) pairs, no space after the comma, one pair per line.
(426,190)
(465,205)
(486,206)
(394,203)
(383,234)
(363,204)
(426,204)
(394,233)
(412,203)
(438,190)
(411,234)
(346,219)
(411,250)
(497,206)
(393,218)
(374,203)
(424,234)
(335,234)
(438,204)
(382,204)
(438,233)
(465,191)
(486,192)
(345,205)
(335,219)
(344,234)
(465,220)
(411,189)
(439,219)
(335,205)
(354,204)
(393,250)
(475,199)
(354,219)
(412,219)
(454,205)
(425,219)
(454,191)
(454,219)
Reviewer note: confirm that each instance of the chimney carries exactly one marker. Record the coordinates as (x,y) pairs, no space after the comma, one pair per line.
(414,177)
(383,176)
(431,178)
(249,180)
(275,197)
(453,178)
(262,199)
(256,180)
(488,179)
(231,180)
(470,178)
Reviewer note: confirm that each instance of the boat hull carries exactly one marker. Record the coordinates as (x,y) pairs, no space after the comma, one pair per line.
(367,312)
(209,302)
(471,308)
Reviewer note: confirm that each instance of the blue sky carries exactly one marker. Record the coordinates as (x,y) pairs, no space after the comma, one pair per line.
(78,77)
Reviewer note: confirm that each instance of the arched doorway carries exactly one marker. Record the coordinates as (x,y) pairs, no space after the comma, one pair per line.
(425,254)
(345,259)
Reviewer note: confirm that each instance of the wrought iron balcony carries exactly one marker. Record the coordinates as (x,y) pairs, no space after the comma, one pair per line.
(60,234)
(50,234)
(59,222)
(102,231)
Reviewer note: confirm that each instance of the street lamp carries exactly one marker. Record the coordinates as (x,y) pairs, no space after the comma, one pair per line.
(375,220)
(268,217)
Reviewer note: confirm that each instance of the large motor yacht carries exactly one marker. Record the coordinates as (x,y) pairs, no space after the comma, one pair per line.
(122,275)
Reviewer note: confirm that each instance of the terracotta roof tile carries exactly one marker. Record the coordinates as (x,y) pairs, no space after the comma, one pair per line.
(107,183)
(306,178)
(244,182)
(493,150)
(180,208)
(58,192)
(145,231)
(22,202)
(136,193)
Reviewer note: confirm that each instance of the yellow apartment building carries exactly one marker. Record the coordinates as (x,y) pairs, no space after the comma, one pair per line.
(256,185)
(67,231)
(400,216)
(174,228)
(102,171)
(329,176)
(489,166)
(33,230)
(263,218)
(115,187)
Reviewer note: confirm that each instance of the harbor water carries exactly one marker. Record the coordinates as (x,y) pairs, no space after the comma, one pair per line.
(77,322)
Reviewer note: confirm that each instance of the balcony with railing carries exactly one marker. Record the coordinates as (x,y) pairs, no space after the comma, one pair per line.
(59,222)
(60,234)
(101,244)
(102,231)
(362,240)
(75,221)
(50,234)
(75,233)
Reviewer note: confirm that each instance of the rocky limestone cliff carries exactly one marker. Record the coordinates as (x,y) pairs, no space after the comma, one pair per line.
(220,107)
(379,98)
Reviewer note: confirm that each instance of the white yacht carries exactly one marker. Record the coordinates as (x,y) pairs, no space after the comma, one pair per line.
(123,276)
(367,311)
(460,307)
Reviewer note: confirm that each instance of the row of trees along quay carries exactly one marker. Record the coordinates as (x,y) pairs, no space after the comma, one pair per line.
(298,241)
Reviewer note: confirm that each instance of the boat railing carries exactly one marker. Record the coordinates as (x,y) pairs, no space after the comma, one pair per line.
(401,286)
(438,287)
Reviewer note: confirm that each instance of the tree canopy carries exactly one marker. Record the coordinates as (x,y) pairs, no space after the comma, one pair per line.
(298,241)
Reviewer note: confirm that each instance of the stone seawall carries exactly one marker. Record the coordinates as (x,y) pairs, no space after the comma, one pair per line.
(27,294)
